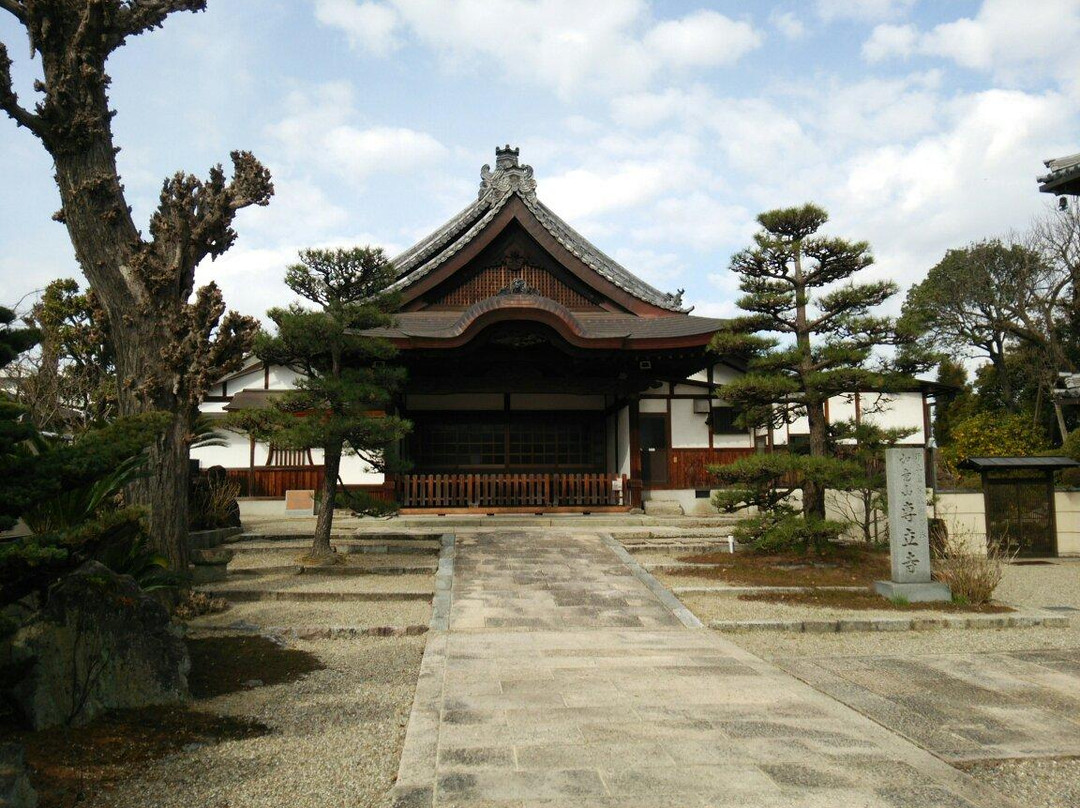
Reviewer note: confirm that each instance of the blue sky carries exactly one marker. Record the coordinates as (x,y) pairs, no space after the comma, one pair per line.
(658,129)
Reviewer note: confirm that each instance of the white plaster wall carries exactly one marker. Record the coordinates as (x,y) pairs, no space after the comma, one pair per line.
(689,430)
(964,515)
(687,499)
(1067,506)
(623,464)
(653,405)
(841,408)
(555,401)
(722,374)
(691,390)
(281,378)
(235,455)
(898,410)
(253,379)
(455,401)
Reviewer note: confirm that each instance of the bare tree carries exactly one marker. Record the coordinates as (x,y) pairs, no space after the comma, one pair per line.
(170,340)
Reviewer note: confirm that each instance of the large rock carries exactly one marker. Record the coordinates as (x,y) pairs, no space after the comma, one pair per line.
(99,643)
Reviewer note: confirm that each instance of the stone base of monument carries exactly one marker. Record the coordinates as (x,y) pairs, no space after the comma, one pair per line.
(914,593)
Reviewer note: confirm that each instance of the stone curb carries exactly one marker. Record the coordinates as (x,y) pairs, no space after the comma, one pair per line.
(892,623)
(208,539)
(319,632)
(249,596)
(444,585)
(746,590)
(662,593)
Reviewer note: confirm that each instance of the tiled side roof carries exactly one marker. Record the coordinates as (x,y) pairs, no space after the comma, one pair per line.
(1063,175)
(496,189)
(594,325)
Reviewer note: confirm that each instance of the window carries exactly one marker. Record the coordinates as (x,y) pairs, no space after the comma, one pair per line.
(723,421)
(511,442)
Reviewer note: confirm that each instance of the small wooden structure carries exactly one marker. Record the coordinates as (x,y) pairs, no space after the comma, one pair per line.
(1018,493)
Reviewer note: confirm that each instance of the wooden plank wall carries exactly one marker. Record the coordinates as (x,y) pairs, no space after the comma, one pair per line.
(687,468)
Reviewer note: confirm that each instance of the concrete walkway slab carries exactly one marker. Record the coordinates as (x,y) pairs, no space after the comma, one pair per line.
(563,680)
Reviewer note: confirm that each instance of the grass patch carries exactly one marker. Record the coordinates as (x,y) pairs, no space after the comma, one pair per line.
(862,601)
(846,565)
(70,766)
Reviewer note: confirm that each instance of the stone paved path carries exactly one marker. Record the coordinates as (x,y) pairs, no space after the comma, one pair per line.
(564,681)
(963,707)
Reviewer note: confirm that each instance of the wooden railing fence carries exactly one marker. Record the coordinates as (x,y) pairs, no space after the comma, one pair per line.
(512,490)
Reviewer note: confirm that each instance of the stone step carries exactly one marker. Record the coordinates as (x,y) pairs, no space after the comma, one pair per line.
(346,546)
(345,569)
(975,621)
(249,595)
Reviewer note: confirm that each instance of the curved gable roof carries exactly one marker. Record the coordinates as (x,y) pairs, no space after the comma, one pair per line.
(497,188)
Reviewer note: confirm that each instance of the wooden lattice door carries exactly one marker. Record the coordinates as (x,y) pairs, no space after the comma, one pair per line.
(1020,514)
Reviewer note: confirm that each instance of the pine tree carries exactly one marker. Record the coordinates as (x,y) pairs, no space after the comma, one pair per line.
(798,286)
(347,378)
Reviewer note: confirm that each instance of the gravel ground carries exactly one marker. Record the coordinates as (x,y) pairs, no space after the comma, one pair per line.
(363,614)
(1033,783)
(1039,783)
(329,583)
(337,736)
(1030,587)
(286,557)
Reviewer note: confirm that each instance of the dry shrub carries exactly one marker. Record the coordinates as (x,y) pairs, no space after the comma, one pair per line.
(972,576)
(199,603)
(221,500)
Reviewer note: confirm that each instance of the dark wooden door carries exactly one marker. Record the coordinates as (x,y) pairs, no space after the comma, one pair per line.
(1020,514)
(655,448)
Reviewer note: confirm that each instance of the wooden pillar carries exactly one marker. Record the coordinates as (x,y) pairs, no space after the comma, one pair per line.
(251,467)
(635,452)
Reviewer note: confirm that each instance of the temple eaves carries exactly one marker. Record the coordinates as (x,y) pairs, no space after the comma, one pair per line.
(509,179)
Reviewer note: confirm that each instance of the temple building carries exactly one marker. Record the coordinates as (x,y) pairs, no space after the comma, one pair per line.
(542,376)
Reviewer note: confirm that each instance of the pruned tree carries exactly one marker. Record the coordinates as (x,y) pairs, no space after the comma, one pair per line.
(171,341)
(824,344)
(346,378)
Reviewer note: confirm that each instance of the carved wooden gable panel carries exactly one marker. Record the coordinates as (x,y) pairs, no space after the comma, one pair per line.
(507,279)
(514,264)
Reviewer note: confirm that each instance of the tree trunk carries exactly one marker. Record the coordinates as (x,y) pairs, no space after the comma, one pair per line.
(165,492)
(320,547)
(814,494)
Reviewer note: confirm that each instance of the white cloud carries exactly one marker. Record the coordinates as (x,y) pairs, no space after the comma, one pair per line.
(788,24)
(606,45)
(702,39)
(697,219)
(370,26)
(890,40)
(582,192)
(863,10)
(1014,42)
(321,128)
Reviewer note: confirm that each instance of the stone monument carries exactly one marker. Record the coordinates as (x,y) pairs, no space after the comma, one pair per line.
(909,536)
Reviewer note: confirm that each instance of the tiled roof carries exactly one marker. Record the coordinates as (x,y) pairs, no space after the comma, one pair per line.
(598,325)
(1063,176)
(496,189)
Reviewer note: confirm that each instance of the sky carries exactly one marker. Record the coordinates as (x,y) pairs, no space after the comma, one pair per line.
(658,129)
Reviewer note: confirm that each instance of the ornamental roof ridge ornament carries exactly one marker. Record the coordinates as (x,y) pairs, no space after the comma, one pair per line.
(508,176)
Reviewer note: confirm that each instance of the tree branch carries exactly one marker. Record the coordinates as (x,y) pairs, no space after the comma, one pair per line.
(9,101)
(138,16)
(16,8)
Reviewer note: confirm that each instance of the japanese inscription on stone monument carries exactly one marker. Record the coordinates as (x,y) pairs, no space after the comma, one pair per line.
(908,535)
